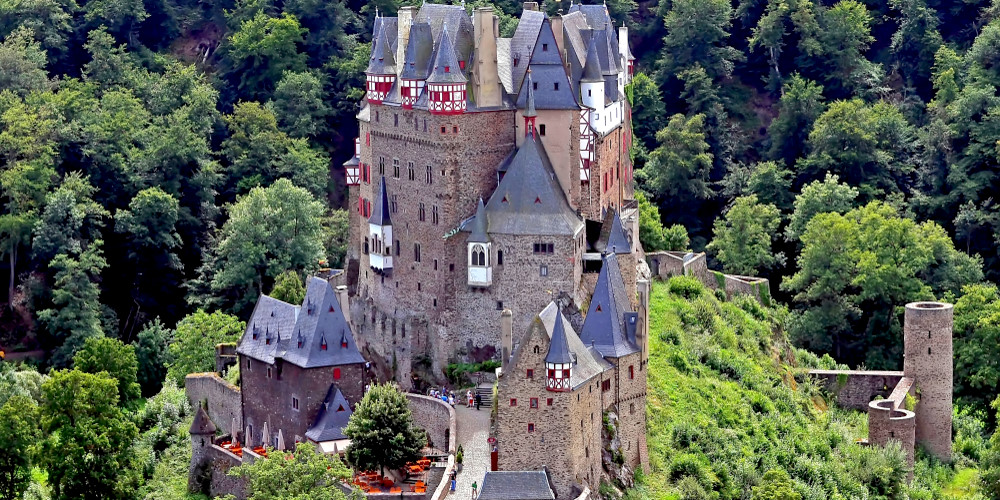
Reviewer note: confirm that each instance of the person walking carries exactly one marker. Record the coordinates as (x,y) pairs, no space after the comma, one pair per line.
(479,401)
(474,492)
(468,399)
(454,476)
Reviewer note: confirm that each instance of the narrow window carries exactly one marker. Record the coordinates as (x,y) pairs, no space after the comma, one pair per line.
(531,427)
(530,373)
(395,167)
(928,350)
(499,305)
(435,264)
(434,214)
(541,129)
(454,129)
(416,252)
(249,365)
(410,171)
(444,130)
(421,213)
(336,373)
(397,255)
(499,257)
(513,401)
(543,271)
(534,85)
(430,175)
(395,120)
(269,372)
(631,372)
(545,47)
(295,404)
(555,86)
(548,402)
(534,403)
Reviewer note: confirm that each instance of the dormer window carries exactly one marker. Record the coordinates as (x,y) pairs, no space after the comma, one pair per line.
(447,69)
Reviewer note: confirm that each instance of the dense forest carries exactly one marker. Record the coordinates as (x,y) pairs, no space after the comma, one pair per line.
(162,162)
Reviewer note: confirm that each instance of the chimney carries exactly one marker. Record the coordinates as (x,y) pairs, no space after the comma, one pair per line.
(404,20)
(506,337)
(623,51)
(345,304)
(485,75)
(530,5)
(642,329)
(557,29)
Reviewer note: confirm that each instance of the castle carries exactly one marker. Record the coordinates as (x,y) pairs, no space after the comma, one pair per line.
(487,175)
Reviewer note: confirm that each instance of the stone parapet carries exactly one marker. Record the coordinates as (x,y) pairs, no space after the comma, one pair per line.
(437,418)
(223,399)
(854,389)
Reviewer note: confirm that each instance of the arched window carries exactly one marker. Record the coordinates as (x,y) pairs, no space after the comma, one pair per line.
(478,255)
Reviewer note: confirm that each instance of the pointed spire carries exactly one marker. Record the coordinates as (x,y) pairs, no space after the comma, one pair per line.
(202,425)
(559,345)
(592,67)
(380,209)
(479,225)
(446,68)
(383,60)
(617,240)
(529,102)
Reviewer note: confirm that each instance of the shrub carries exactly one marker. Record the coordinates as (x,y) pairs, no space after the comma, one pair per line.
(685,286)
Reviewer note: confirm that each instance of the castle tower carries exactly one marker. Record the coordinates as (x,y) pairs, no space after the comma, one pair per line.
(928,361)
(447,84)
(380,232)
(592,82)
(381,72)
(202,431)
(558,361)
(479,251)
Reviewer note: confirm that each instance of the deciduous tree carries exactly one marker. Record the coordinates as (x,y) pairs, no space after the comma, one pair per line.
(743,237)
(104,354)
(192,349)
(382,432)
(152,355)
(304,474)
(18,435)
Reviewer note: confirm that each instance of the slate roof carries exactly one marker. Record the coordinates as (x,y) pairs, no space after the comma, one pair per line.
(592,65)
(613,237)
(479,225)
(529,100)
(588,362)
(504,64)
(202,424)
(380,209)
(558,345)
(610,324)
(419,48)
(522,44)
(446,68)
(312,335)
(529,199)
(383,58)
(332,417)
(516,485)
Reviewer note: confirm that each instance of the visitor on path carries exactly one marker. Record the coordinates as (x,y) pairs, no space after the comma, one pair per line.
(454,476)
(468,399)
(451,400)
(474,490)
(479,401)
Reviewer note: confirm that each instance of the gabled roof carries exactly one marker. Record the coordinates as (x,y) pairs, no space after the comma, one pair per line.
(202,425)
(315,334)
(587,362)
(558,345)
(419,48)
(446,68)
(332,418)
(610,323)
(479,225)
(529,199)
(516,485)
(380,209)
(552,88)
(383,58)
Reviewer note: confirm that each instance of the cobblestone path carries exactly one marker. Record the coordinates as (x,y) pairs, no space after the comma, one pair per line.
(473,430)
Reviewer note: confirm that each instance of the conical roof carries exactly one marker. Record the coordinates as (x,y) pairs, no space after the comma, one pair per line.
(446,68)
(617,240)
(479,224)
(559,345)
(383,60)
(202,425)
(592,67)
(380,209)
(529,103)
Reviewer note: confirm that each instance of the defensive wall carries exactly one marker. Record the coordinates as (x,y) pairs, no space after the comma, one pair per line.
(854,389)
(222,400)
(666,264)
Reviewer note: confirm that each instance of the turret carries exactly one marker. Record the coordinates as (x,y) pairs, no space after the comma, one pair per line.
(414,65)
(558,361)
(529,109)
(927,359)
(479,250)
(381,72)
(380,232)
(592,82)
(446,84)
(202,431)
(351,166)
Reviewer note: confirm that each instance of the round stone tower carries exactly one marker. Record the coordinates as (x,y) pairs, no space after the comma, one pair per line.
(928,361)
(202,432)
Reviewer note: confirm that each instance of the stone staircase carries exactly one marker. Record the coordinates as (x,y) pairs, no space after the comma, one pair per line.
(485,390)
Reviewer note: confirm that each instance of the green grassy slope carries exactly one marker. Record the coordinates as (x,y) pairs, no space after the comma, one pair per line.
(725,407)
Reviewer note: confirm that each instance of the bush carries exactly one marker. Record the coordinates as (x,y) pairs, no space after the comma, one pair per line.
(685,286)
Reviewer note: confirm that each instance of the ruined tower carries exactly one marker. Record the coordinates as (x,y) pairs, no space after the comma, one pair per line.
(928,361)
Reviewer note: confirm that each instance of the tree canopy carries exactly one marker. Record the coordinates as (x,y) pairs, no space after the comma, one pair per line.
(382,432)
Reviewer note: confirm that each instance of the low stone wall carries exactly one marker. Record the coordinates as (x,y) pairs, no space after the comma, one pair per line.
(887,423)
(855,389)
(759,288)
(223,398)
(437,418)
(221,483)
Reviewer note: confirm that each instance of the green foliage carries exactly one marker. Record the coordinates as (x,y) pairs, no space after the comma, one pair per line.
(301,475)
(103,354)
(800,105)
(262,50)
(818,197)
(76,312)
(152,355)
(88,438)
(990,475)
(18,434)
(652,234)
(856,269)
(299,101)
(743,240)
(269,231)
(193,347)
(455,372)
(648,112)
(150,224)
(20,380)
(697,32)
(288,288)
(776,485)
(678,169)
(336,227)
(381,431)
(976,344)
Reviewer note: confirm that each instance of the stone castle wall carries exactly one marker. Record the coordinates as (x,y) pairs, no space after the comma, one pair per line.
(887,422)
(854,389)
(437,418)
(630,400)
(223,398)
